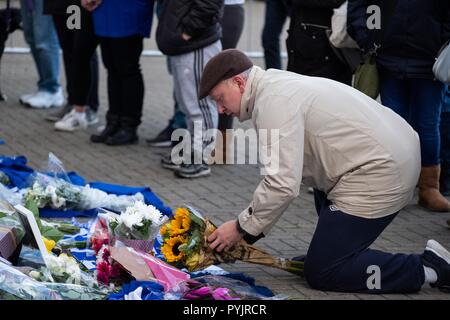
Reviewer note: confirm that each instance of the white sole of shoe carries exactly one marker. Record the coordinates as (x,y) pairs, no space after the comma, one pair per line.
(193,176)
(170,166)
(439,250)
(163,144)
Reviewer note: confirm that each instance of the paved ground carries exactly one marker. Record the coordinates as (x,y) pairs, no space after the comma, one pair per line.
(221,196)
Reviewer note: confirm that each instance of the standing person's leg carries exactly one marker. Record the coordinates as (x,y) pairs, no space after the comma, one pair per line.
(26,11)
(232,25)
(275,17)
(114,94)
(126,58)
(426,101)
(395,95)
(85,76)
(187,71)
(47,49)
(444,180)
(66,41)
(178,121)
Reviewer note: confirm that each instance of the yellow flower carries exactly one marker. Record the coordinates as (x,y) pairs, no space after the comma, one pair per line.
(164,229)
(49,244)
(170,249)
(192,261)
(181,212)
(181,223)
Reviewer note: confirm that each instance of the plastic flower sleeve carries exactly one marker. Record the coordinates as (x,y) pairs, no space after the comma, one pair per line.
(21,286)
(12,196)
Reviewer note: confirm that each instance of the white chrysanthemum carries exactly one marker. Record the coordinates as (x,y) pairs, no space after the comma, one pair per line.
(131,217)
(149,212)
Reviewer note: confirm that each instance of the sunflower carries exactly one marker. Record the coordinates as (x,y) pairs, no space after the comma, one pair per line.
(164,229)
(170,249)
(181,223)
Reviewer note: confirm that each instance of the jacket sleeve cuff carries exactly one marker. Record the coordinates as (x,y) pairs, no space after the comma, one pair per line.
(247,225)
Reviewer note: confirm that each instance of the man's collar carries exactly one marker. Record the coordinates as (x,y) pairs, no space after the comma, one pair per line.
(248,98)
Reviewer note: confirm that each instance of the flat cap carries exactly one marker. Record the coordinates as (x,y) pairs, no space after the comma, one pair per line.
(223,66)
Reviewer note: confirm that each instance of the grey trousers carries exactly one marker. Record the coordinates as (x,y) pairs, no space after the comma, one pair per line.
(187,70)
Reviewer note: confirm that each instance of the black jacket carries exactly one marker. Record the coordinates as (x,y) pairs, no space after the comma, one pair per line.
(59,7)
(414,32)
(309,49)
(313,11)
(197,18)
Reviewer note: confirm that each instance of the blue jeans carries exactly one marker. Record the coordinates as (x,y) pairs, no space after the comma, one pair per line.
(339,258)
(444,180)
(40,34)
(276,15)
(419,102)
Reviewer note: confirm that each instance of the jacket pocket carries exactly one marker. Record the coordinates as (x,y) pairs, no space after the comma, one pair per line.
(308,42)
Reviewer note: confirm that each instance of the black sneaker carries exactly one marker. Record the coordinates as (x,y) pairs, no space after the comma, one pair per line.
(191,171)
(166,162)
(299,258)
(122,137)
(163,139)
(437,258)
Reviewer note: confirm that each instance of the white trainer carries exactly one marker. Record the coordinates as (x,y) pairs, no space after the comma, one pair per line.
(72,121)
(25,97)
(44,100)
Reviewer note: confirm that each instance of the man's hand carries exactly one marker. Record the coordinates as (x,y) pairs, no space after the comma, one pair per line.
(185,36)
(90,5)
(225,237)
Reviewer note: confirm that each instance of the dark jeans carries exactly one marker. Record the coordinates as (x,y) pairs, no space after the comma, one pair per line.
(275,17)
(121,57)
(445,145)
(419,102)
(339,258)
(232,25)
(80,60)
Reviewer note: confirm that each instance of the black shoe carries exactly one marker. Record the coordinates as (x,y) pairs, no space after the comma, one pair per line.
(299,258)
(437,258)
(112,126)
(163,139)
(122,137)
(191,171)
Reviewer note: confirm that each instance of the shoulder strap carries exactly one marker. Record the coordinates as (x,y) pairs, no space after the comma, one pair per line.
(386,15)
(8,15)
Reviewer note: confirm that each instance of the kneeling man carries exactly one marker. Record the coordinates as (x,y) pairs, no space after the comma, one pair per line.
(361,158)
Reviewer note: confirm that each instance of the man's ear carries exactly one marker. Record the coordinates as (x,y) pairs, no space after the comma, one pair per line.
(240,82)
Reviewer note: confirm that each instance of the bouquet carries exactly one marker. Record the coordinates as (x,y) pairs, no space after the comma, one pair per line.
(15,284)
(64,269)
(185,245)
(56,193)
(138,226)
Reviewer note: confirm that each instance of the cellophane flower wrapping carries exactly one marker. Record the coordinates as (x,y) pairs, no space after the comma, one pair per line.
(138,226)
(19,285)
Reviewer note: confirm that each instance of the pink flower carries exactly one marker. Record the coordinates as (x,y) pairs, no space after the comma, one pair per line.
(103,272)
(97,244)
(106,254)
(222,294)
(202,293)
